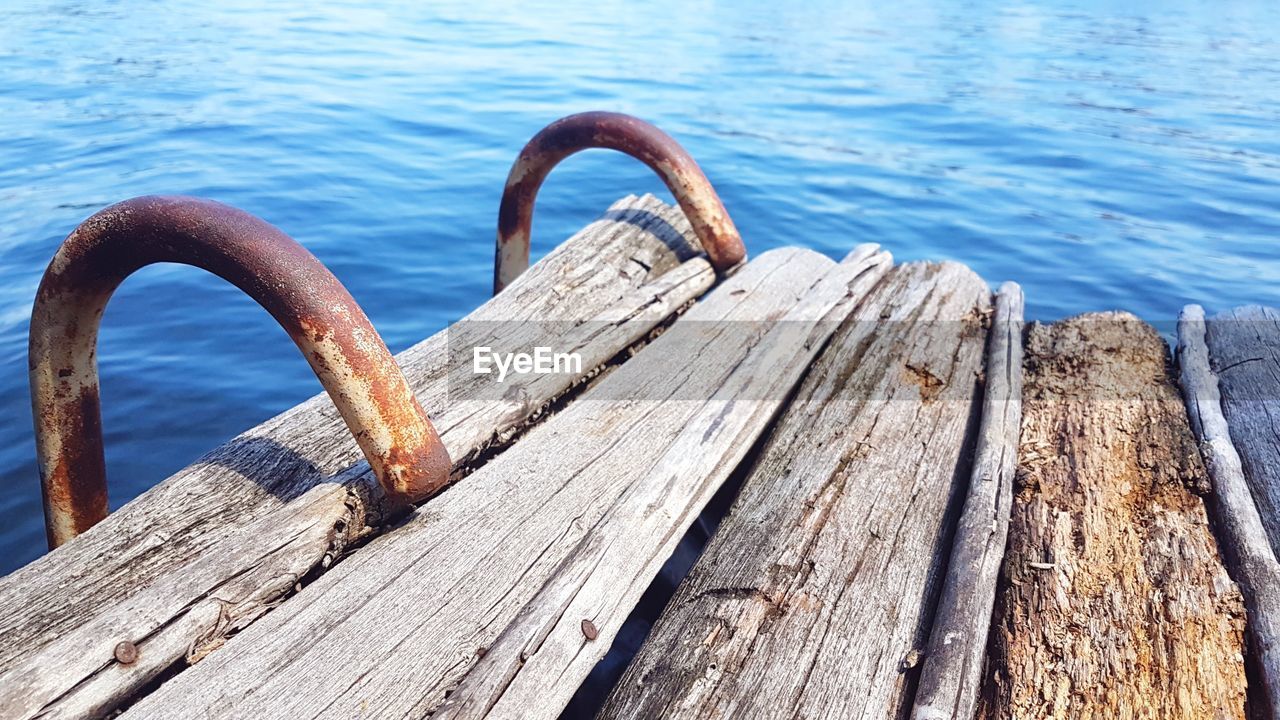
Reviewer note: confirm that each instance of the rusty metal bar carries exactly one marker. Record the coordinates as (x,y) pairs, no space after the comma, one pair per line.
(346,353)
(635,137)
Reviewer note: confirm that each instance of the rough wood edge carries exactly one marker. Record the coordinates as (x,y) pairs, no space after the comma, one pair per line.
(240,666)
(692,663)
(1236,520)
(483,692)
(1114,600)
(249,571)
(951,677)
(1242,346)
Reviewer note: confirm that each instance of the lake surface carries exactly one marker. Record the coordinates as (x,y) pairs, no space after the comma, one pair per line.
(1104,158)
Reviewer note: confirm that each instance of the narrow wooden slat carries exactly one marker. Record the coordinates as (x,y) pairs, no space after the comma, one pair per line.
(214,547)
(814,595)
(1240,528)
(1244,353)
(1114,602)
(951,677)
(488,591)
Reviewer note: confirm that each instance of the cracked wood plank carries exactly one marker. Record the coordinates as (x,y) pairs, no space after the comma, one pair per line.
(1238,337)
(951,676)
(494,579)
(1114,602)
(213,548)
(814,594)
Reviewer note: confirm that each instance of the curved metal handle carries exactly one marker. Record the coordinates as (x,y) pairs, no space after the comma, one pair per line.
(346,353)
(624,133)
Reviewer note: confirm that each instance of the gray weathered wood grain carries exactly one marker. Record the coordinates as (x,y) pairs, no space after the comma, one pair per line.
(815,593)
(1241,530)
(214,547)
(496,577)
(951,676)
(1244,353)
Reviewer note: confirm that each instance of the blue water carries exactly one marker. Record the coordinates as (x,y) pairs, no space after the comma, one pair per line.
(1105,155)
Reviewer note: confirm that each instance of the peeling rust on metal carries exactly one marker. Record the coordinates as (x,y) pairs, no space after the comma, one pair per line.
(324,321)
(630,135)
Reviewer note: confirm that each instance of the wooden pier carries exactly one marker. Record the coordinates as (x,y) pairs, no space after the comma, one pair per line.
(940,512)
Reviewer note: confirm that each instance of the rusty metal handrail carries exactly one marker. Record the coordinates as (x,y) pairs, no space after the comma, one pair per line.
(346,353)
(624,133)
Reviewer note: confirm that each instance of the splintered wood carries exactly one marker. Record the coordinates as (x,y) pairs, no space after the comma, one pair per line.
(951,677)
(1243,349)
(1242,340)
(813,598)
(1114,602)
(480,597)
(209,551)
(267,580)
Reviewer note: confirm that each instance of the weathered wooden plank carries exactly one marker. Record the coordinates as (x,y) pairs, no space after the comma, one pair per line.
(500,575)
(812,595)
(951,676)
(225,540)
(1244,352)
(1240,529)
(1113,600)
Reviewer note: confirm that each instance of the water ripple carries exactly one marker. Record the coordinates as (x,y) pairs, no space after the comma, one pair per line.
(1105,156)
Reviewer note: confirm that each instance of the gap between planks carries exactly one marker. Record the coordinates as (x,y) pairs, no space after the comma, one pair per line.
(951,675)
(1113,600)
(817,586)
(221,543)
(482,594)
(1240,527)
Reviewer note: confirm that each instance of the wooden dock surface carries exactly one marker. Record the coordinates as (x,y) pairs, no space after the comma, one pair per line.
(929,525)
(1116,602)
(824,566)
